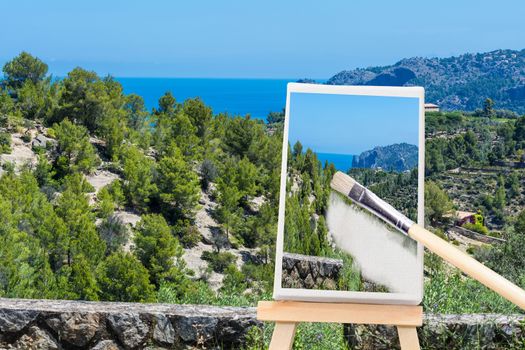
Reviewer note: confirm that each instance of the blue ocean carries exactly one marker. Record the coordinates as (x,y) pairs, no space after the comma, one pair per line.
(256,97)
(342,162)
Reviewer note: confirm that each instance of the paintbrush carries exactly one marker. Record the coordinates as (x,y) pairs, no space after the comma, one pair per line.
(366,199)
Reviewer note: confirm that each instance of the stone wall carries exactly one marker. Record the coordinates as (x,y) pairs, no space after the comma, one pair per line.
(310,272)
(477,236)
(451,332)
(41,324)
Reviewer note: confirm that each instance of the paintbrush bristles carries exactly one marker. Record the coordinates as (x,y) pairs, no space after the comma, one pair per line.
(342,183)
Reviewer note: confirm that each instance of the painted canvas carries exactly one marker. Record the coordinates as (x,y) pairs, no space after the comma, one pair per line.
(328,247)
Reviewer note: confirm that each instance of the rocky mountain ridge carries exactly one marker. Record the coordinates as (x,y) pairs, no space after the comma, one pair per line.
(459,82)
(398,157)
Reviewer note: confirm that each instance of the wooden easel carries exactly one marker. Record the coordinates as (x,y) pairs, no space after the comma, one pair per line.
(287,314)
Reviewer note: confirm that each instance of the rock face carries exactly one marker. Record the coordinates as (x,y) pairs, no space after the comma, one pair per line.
(129,328)
(310,272)
(398,157)
(75,328)
(47,324)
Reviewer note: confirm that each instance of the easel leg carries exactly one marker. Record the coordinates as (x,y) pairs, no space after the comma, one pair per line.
(283,335)
(408,338)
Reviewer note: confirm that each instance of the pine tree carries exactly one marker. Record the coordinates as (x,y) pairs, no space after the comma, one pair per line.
(178,183)
(122,277)
(158,250)
(138,185)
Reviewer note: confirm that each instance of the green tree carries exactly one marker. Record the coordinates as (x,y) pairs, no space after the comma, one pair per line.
(122,277)
(82,281)
(437,202)
(112,130)
(519,130)
(158,250)
(183,133)
(88,100)
(73,208)
(247,175)
(275,117)
(136,113)
(10,116)
(178,183)
(31,212)
(500,198)
(24,269)
(199,114)
(105,204)
(35,100)
(138,121)
(138,185)
(75,152)
(519,225)
(488,108)
(22,68)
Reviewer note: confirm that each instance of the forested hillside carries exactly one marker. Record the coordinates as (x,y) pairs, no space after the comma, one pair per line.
(101,199)
(454,83)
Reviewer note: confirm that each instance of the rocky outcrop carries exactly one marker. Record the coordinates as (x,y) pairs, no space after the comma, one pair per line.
(46,324)
(398,157)
(310,272)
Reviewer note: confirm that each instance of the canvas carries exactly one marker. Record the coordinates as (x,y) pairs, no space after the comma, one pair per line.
(328,248)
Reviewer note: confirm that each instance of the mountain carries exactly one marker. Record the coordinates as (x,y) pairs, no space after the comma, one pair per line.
(398,157)
(459,82)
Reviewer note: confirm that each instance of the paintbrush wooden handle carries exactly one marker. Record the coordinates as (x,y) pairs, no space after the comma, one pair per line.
(469,265)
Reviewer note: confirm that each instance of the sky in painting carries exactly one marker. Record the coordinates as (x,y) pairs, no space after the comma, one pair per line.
(351,124)
(260,39)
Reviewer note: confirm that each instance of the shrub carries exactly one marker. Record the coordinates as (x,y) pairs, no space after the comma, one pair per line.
(114,232)
(494,234)
(477,227)
(190,237)
(26,138)
(218,261)
(5,142)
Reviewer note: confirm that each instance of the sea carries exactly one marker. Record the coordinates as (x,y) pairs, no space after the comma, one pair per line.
(342,162)
(256,97)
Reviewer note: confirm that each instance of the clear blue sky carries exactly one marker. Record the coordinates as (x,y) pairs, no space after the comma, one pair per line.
(350,124)
(274,38)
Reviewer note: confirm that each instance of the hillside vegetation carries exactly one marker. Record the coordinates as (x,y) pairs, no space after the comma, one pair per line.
(101,199)
(454,83)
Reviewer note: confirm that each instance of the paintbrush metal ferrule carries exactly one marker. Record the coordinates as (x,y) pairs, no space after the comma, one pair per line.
(366,198)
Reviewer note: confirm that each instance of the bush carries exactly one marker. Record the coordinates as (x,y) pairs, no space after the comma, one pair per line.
(5,142)
(114,232)
(218,261)
(494,234)
(471,250)
(26,138)
(477,227)
(190,237)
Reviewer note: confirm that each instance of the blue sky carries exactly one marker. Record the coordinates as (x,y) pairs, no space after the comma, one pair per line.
(350,124)
(235,38)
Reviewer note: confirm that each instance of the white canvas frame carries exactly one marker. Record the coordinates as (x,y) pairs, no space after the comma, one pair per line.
(350,296)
